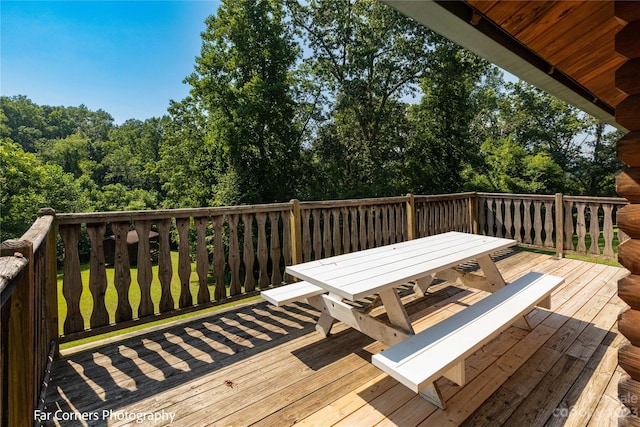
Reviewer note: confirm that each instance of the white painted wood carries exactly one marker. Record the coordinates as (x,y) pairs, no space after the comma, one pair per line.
(422,284)
(370,326)
(431,393)
(456,374)
(491,272)
(421,359)
(395,310)
(357,275)
(291,293)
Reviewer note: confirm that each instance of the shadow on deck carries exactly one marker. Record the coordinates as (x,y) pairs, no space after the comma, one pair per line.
(263,365)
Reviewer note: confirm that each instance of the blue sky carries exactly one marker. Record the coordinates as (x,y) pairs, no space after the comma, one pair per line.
(127,58)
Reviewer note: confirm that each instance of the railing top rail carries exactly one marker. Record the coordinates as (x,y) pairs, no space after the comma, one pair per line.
(518,196)
(39,230)
(11,268)
(439,197)
(93,217)
(591,199)
(325,204)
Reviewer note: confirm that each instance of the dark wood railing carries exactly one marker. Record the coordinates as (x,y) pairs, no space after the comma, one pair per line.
(29,328)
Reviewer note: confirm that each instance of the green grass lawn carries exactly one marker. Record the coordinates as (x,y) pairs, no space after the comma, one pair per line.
(111,299)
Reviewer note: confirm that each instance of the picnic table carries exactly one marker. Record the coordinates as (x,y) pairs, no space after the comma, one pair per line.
(417,360)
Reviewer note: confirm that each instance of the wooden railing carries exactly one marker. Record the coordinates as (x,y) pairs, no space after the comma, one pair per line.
(29,328)
(566,224)
(237,251)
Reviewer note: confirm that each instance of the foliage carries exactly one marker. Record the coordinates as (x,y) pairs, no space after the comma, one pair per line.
(310,99)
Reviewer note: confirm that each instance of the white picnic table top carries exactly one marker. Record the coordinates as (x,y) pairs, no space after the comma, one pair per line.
(360,274)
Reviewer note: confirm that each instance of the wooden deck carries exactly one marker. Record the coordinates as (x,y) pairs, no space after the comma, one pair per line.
(266,366)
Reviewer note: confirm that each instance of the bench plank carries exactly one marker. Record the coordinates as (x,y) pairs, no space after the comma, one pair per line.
(293,292)
(421,359)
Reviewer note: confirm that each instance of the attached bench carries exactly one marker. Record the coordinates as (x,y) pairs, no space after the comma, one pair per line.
(441,350)
(293,292)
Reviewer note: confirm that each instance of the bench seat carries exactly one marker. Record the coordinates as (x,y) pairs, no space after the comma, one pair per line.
(440,350)
(291,293)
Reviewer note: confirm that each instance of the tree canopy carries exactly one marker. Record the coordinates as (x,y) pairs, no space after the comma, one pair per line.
(310,99)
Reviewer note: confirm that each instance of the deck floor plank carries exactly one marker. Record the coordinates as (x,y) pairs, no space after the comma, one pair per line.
(266,366)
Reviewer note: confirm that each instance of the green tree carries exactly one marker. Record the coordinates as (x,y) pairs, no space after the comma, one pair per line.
(242,83)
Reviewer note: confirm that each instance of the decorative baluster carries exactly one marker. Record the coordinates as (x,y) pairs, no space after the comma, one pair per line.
(568,225)
(143,228)
(371,236)
(202,259)
(527,221)
(482,214)
(184,262)
(337,248)
(97,275)
(306,235)
(517,219)
(326,233)
(548,224)
(594,228)
(165,269)
(537,222)
(508,219)
(248,254)
(286,241)
(263,254)
(122,274)
(234,255)
(392,223)
(363,227)
(384,224)
(490,218)
(499,218)
(607,230)
(353,229)
(276,250)
(346,241)
(218,258)
(581,228)
(317,237)
(72,280)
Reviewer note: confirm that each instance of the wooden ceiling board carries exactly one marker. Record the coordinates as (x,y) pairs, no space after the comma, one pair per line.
(532,12)
(484,6)
(504,11)
(549,23)
(581,37)
(583,61)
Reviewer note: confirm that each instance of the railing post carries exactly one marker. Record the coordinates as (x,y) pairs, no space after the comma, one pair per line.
(21,381)
(51,296)
(559,225)
(473,212)
(296,232)
(411,217)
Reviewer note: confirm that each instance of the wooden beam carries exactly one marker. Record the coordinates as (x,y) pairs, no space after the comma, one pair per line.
(629,290)
(628,322)
(628,149)
(628,184)
(628,219)
(629,360)
(628,112)
(629,255)
(627,77)
(627,42)
(627,11)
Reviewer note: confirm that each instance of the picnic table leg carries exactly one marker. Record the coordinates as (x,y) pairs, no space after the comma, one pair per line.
(422,284)
(325,321)
(395,310)
(491,272)
(431,393)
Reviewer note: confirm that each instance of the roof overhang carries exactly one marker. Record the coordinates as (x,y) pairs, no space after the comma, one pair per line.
(457,21)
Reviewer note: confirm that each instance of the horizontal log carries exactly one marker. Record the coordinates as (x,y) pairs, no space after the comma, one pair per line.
(629,220)
(628,184)
(628,112)
(629,396)
(628,321)
(629,360)
(628,148)
(627,42)
(629,255)
(629,290)
(626,11)
(627,77)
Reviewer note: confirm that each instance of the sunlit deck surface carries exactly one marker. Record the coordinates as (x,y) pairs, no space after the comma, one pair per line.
(267,366)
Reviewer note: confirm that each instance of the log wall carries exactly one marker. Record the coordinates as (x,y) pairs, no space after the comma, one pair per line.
(627,45)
